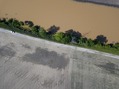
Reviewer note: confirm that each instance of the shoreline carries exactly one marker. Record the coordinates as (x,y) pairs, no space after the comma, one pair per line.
(99,3)
(59,44)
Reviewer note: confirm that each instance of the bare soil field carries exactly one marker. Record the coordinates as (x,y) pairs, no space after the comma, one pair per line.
(31,63)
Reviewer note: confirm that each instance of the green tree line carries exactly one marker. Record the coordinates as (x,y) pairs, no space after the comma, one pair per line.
(70,36)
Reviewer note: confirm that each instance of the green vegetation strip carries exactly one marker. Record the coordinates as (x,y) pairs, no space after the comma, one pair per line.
(69,37)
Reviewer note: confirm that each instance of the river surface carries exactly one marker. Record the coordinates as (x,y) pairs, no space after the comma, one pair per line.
(89,19)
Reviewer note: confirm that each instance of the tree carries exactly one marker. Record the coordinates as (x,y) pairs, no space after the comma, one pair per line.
(116,45)
(53,29)
(74,34)
(102,39)
(58,36)
(66,39)
(21,23)
(62,37)
(83,41)
(10,21)
(37,27)
(90,42)
(35,31)
(80,41)
(30,23)
(2,20)
(42,33)
(16,23)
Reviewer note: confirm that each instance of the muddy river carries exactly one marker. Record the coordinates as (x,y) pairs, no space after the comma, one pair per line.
(89,19)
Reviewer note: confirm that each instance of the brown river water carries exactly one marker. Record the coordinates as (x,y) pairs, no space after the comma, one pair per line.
(89,19)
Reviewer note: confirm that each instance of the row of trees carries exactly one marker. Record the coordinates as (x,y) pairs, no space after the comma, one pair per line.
(67,37)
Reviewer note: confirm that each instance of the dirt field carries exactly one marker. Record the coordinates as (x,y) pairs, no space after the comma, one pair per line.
(20,67)
(31,63)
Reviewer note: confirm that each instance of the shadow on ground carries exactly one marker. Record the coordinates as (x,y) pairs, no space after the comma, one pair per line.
(48,58)
(6,51)
(110,68)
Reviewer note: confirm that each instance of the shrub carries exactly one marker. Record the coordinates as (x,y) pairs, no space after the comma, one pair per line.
(16,23)
(42,33)
(58,36)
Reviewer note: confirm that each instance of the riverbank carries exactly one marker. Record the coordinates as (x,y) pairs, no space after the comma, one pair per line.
(69,37)
(58,44)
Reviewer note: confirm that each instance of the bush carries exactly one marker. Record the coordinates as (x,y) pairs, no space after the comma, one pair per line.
(42,33)
(35,31)
(90,42)
(16,24)
(58,36)
(116,45)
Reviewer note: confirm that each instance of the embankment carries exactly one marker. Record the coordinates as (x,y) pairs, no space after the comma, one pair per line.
(31,63)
